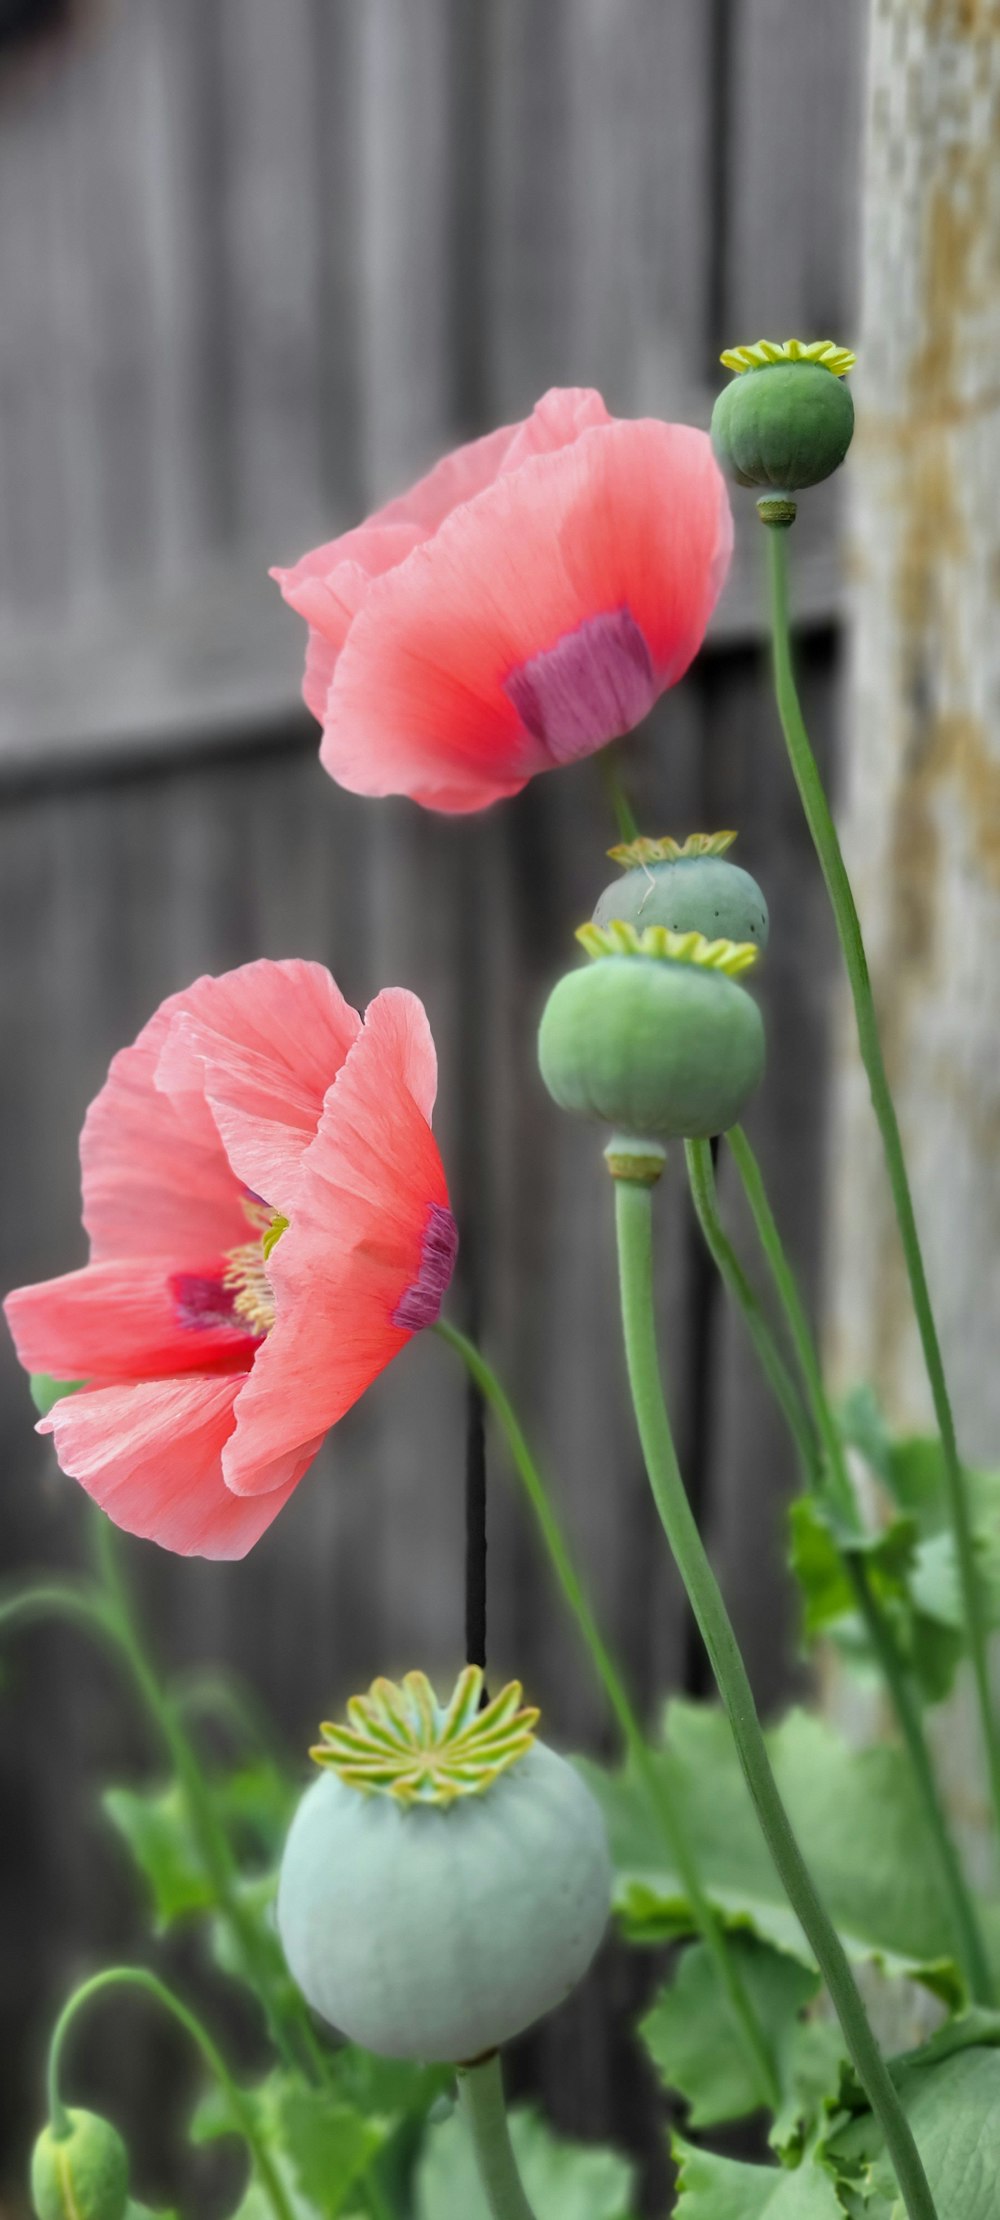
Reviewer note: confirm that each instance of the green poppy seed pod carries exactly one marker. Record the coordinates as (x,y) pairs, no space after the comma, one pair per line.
(657,1040)
(688,888)
(786,419)
(82,2175)
(447,1880)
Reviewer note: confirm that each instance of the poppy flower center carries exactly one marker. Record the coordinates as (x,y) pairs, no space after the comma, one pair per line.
(245,1277)
(593,685)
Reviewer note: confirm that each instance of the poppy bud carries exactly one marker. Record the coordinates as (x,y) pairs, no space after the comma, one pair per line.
(655,1036)
(82,2175)
(688,887)
(785,420)
(447,1880)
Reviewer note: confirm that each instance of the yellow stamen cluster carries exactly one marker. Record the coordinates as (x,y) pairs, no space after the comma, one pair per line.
(400,1741)
(838,360)
(667,850)
(619,939)
(245,1277)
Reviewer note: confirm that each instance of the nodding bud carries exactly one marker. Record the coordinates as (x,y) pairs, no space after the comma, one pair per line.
(81,2175)
(785,420)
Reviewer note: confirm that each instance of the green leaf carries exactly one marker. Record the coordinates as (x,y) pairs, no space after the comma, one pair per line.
(714,2188)
(321,2147)
(694,2044)
(951,2094)
(135,2211)
(819,1545)
(856,1817)
(255,1803)
(155,1825)
(45,1391)
(562,2180)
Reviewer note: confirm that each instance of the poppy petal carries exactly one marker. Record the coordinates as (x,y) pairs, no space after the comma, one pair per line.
(129,1319)
(371,1207)
(155,1182)
(261,1046)
(627,520)
(151,1456)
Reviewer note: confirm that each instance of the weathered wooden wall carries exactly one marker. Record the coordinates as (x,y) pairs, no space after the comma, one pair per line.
(257,264)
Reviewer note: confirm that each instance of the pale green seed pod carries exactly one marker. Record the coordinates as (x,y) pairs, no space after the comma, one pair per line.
(687,888)
(656,1045)
(785,421)
(82,2175)
(434,1904)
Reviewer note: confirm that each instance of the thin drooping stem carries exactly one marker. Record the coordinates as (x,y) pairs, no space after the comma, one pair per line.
(635,1252)
(481,2103)
(827,845)
(747,2026)
(832,1472)
(244,2121)
(624,814)
(701,1175)
(210,1834)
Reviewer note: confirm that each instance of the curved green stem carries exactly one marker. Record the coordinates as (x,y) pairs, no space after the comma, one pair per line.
(614,787)
(211,1837)
(971,1948)
(58,1599)
(635,1250)
(244,2123)
(701,1176)
(838,886)
(480,2100)
(744,2018)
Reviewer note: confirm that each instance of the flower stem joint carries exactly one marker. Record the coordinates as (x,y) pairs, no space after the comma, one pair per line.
(785,420)
(654,1037)
(447,1880)
(81,2174)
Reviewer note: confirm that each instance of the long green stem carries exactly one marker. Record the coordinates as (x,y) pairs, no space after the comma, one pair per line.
(970,1945)
(614,786)
(635,1251)
(480,2100)
(665,1812)
(827,845)
(213,1842)
(137,1977)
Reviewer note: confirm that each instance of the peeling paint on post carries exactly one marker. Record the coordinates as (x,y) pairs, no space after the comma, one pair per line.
(922,803)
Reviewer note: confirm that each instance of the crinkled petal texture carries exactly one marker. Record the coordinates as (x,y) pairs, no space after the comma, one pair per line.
(527,602)
(248,1100)
(370,1188)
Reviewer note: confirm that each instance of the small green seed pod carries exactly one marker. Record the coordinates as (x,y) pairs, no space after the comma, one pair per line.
(786,419)
(658,1040)
(82,2175)
(447,1881)
(689,888)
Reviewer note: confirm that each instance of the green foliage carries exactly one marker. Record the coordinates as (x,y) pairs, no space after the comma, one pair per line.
(712,2188)
(562,2180)
(694,2044)
(855,1814)
(910,1560)
(320,2146)
(154,1824)
(950,2090)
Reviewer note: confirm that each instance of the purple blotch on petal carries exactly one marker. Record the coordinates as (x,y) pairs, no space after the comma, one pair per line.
(592,686)
(201,1301)
(421,1304)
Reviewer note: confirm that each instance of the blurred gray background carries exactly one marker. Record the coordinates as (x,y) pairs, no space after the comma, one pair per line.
(260,262)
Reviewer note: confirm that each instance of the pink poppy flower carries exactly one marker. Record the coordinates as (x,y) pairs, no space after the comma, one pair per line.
(524,604)
(269,1224)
